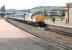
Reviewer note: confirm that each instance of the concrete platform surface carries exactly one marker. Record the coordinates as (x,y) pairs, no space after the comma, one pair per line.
(58,23)
(9,31)
(12,38)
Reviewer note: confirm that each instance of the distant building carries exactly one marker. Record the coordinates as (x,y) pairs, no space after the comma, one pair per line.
(50,10)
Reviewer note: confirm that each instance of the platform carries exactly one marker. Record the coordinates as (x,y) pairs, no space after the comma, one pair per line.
(13,38)
(58,22)
(9,31)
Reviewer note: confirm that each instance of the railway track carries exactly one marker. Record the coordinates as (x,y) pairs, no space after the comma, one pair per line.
(67,48)
(50,29)
(60,32)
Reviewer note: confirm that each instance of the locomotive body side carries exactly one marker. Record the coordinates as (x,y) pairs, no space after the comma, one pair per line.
(35,19)
(28,18)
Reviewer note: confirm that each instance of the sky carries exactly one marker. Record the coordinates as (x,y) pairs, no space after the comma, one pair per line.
(28,4)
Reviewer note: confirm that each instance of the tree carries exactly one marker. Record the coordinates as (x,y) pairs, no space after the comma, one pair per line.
(45,12)
(63,13)
(3,10)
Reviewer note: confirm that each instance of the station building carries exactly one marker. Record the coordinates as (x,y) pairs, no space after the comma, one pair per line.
(68,13)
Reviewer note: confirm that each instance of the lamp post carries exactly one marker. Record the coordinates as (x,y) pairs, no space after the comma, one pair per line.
(44,8)
(68,13)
